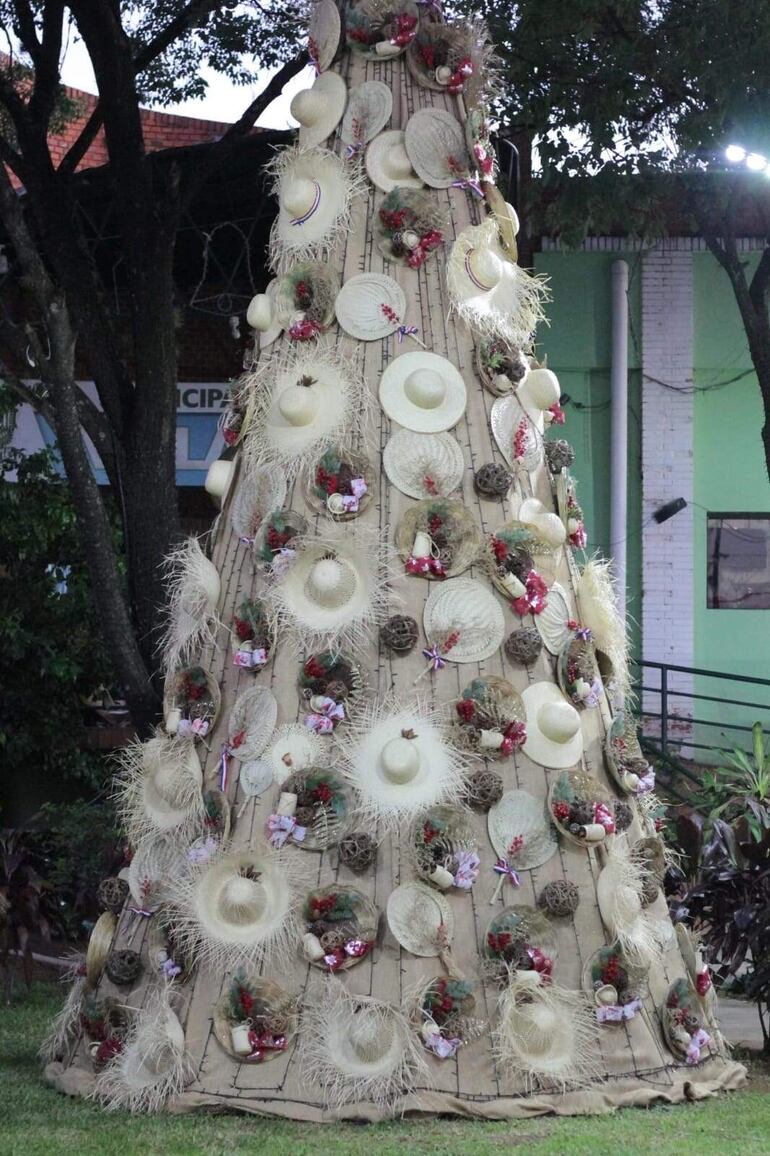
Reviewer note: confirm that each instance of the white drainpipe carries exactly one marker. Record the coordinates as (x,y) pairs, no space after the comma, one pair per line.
(619,429)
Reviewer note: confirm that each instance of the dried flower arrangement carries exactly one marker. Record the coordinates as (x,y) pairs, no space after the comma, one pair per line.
(341,484)
(444,1010)
(410,226)
(253,641)
(305,299)
(445,849)
(329,681)
(491,718)
(380,28)
(624,758)
(278,531)
(314,810)
(105,1025)
(577,670)
(437,538)
(340,927)
(615,985)
(191,702)
(682,1020)
(582,809)
(513,551)
(501,366)
(255,1020)
(519,939)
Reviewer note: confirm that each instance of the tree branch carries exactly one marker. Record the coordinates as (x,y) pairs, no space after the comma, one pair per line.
(25,23)
(760,282)
(46,89)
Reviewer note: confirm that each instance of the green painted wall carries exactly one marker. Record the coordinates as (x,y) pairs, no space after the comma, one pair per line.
(578,344)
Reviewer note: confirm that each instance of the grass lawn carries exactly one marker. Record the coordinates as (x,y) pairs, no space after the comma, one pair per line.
(36,1121)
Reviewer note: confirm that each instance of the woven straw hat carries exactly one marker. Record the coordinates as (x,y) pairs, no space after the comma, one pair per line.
(220,477)
(314,188)
(469,608)
(330,821)
(520,815)
(251,723)
(435,144)
(554,737)
(259,493)
(400,761)
(261,315)
(488,708)
(579,792)
(293,748)
(424,465)
(371,27)
(620,894)
(538,391)
(273,1004)
(515,436)
(172,774)
(420,919)
(423,392)
(369,109)
(319,108)
(552,621)
(488,290)
(154,862)
(522,543)
(370,306)
(99,944)
(323,33)
(464,537)
(152,1065)
(547,525)
(388,165)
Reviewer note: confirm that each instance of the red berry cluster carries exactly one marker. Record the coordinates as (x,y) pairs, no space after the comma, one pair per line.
(326,481)
(466,709)
(499,549)
(561,812)
(610,970)
(246,1000)
(435,522)
(429,833)
(243,629)
(322,793)
(322,905)
(497,942)
(394,219)
(313,668)
(277,539)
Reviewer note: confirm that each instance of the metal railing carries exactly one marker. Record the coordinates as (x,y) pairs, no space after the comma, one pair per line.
(680,731)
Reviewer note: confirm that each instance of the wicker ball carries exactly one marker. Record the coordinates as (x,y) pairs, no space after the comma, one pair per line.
(483,788)
(492,480)
(399,634)
(276,1024)
(560,898)
(332,939)
(523,646)
(559,454)
(624,816)
(112,894)
(357,851)
(123,967)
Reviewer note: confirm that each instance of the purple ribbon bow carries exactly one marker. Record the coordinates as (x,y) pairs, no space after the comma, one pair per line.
(170,969)
(441,1047)
(280,827)
(244,541)
(406,331)
(467,872)
(352,150)
(197,728)
(142,912)
(503,867)
(470,184)
(282,560)
(583,633)
(617,1013)
(322,721)
(249,659)
(646,782)
(202,852)
(433,655)
(700,1039)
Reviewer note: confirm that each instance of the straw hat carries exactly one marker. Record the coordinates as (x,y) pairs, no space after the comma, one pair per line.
(577,673)
(554,737)
(423,392)
(552,621)
(491,292)
(329,820)
(546,1035)
(261,315)
(323,33)
(333,592)
(306,294)
(319,108)
(293,748)
(152,1066)
(388,165)
(515,435)
(512,933)
(251,723)
(370,306)
(420,919)
(519,815)
(272,1020)
(538,391)
(171,783)
(423,465)
(259,493)
(99,944)
(547,525)
(315,189)
(219,480)
(620,894)
(600,613)
(582,809)
(524,551)
(359,1050)
(435,144)
(340,484)
(303,407)
(455,544)
(369,109)
(682,1021)
(154,863)
(236,909)
(400,761)
(467,607)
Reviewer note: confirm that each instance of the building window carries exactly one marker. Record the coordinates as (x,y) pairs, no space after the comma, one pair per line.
(739,561)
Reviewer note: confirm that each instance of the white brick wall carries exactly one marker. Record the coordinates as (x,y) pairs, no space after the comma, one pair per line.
(667,464)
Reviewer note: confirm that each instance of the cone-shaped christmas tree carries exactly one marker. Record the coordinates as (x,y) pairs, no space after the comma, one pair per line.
(395,847)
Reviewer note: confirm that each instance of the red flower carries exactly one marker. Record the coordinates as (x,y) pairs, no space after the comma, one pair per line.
(557,413)
(427,55)
(322,793)
(465,709)
(246,1000)
(231,436)
(435,522)
(498,943)
(499,549)
(313,668)
(243,629)
(561,812)
(322,905)
(429,832)
(108,1049)
(237,740)
(277,538)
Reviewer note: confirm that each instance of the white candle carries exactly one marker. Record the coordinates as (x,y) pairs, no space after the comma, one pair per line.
(173,719)
(239,1038)
(311,946)
(442,878)
(287,804)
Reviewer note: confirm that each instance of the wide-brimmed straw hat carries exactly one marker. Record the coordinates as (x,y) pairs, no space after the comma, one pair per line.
(152,1065)
(220,477)
(515,435)
(261,315)
(155,861)
(443,848)
(519,816)
(620,891)
(400,760)
(293,748)
(388,165)
(423,392)
(358,1049)
(251,723)
(424,465)
(323,33)
(582,808)
(538,391)
(489,291)
(490,718)
(467,608)
(315,189)
(319,108)
(420,919)
(554,735)
(380,29)
(368,110)
(435,144)
(259,492)
(544,522)
(552,622)
(160,787)
(259,1027)
(452,523)
(370,306)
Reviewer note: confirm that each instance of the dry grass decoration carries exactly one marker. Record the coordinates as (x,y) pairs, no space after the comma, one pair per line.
(193,595)
(600,613)
(620,892)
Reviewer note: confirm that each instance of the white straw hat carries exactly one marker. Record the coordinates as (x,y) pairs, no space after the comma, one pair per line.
(261,315)
(470,609)
(400,760)
(251,723)
(236,909)
(159,787)
(315,189)
(319,108)
(293,748)
(359,1050)
(152,1066)
(370,306)
(155,861)
(538,391)
(435,143)
(620,894)
(552,621)
(323,33)
(517,438)
(333,592)
(369,109)
(423,465)
(488,290)
(547,525)
(420,919)
(387,162)
(423,392)
(303,407)
(520,815)
(554,735)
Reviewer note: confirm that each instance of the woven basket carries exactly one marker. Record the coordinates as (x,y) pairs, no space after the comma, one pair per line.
(367,920)
(277,999)
(466,541)
(171,689)
(589,787)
